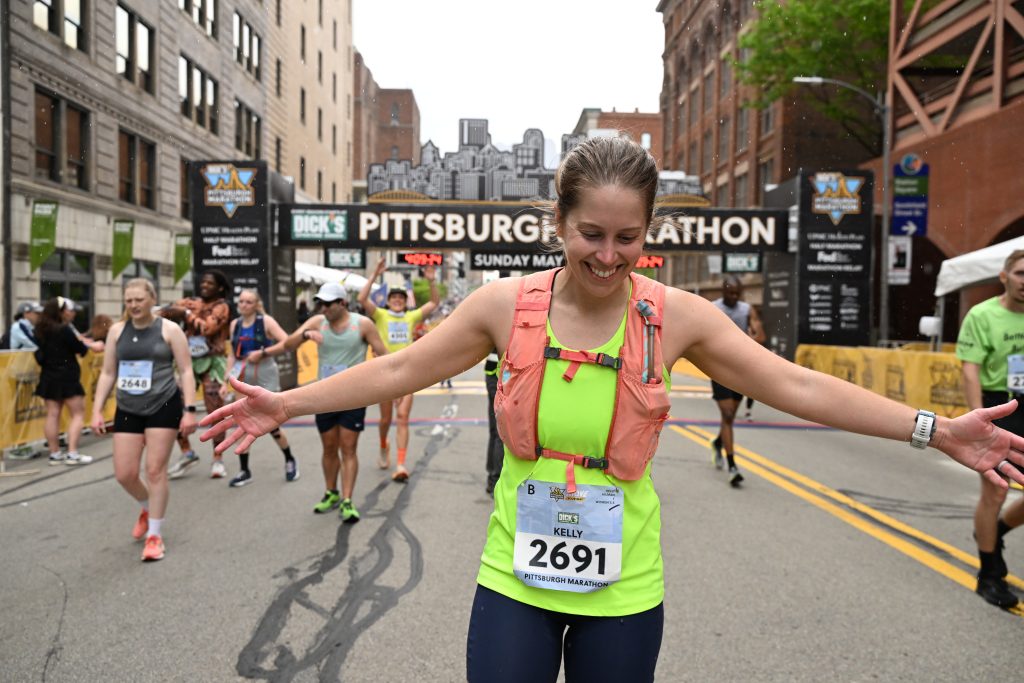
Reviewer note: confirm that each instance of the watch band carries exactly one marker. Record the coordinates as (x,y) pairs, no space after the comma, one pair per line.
(190,409)
(924,428)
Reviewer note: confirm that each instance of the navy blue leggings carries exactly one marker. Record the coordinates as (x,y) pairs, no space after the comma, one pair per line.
(512,641)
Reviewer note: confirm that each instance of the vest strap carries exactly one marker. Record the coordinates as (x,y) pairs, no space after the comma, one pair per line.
(575,358)
(585,461)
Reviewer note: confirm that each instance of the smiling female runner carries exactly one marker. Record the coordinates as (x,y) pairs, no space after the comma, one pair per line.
(572,567)
(142,352)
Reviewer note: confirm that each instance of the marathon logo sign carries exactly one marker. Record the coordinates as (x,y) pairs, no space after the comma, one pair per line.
(491,228)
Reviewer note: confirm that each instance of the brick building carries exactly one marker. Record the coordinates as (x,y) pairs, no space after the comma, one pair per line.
(386,126)
(643,127)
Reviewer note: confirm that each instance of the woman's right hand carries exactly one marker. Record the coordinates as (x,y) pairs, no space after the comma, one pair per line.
(257,412)
(98,424)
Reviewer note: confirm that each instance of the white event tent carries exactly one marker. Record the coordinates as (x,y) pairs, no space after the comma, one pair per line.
(975,268)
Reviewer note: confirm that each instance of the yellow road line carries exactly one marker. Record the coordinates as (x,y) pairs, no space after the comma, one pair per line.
(762,466)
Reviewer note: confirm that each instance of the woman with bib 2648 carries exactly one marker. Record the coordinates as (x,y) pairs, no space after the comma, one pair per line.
(572,566)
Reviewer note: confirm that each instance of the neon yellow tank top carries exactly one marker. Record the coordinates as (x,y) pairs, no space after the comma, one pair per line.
(574,417)
(396,329)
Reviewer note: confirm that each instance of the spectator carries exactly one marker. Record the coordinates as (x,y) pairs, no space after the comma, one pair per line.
(23,330)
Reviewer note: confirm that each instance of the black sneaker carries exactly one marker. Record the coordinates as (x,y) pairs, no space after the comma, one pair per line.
(716,450)
(241,479)
(735,478)
(996,592)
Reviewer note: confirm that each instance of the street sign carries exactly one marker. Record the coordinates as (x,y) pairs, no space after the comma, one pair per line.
(910,197)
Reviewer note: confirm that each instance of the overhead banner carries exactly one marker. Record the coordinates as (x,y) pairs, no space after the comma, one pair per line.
(124,241)
(515,228)
(43,235)
(503,260)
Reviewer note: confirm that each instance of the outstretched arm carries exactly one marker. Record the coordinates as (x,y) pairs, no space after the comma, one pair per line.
(430,273)
(482,322)
(364,293)
(719,348)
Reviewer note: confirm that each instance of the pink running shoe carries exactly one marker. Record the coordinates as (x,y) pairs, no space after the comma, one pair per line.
(141,526)
(154,549)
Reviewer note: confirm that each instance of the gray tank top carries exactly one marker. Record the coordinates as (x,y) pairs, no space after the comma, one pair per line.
(145,369)
(739,314)
(340,351)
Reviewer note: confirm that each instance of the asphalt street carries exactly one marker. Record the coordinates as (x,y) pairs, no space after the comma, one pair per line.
(842,557)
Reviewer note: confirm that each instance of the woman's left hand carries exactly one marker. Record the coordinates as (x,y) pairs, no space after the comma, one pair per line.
(187,424)
(973,441)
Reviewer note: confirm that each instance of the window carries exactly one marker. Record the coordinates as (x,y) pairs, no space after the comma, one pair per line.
(277,78)
(694,113)
(198,95)
(69,274)
(247,45)
(60,125)
(707,152)
(277,153)
(394,114)
(144,269)
(334,192)
(334,87)
(645,140)
(136,170)
(186,199)
(134,42)
(302,44)
(62,18)
(709,91)
(741,191)
(723,195)
(302,173)
(348,153)
(319,66)
(302,105)
(724,129)
(681,119)
(319,124)
(334,139)
(277,12)
(691,159)
(248,131)
(724,78)
(334,35)
(348,107)
(320,185)
(203,13)
(767,120)
(394,151)
(742,129)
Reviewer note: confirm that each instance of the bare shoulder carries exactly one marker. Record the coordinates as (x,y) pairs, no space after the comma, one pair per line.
(171,331)
(115,332)
(688,318)
(489,309)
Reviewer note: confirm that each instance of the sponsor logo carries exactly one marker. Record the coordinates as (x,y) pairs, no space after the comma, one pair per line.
(228,187)
(836,195)
(558,493)
(568,518)
(319,224)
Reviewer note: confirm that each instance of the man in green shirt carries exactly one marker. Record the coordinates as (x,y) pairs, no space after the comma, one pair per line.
(991,347)
(395,325)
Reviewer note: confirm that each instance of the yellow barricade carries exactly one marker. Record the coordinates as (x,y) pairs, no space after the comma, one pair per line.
(920,379)
(24,412)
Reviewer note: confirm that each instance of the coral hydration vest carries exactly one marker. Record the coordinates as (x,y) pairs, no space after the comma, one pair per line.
(641,399)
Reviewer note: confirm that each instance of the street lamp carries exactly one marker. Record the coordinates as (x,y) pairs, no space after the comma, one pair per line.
(882,110)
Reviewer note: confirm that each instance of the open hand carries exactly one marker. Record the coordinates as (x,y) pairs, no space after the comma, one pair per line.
(257,412)
(973,441)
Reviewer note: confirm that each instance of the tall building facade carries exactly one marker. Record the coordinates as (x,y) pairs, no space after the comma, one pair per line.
(386,126)
(310,96)
(644,128)
(108,102)
(736,151)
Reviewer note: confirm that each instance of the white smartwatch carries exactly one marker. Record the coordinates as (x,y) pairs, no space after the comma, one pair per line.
(924,428)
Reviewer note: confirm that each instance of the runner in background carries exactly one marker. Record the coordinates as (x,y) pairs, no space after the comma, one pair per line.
(342,338)
(250,333)
(206,327)
(142,352)
(396,325)
(746,318)
(992,354)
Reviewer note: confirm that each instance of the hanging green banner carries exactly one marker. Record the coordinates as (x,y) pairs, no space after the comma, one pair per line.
(43,236)
(182,256)
(124,238)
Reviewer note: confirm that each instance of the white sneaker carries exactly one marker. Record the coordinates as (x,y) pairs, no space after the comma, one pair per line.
(77,459)
(218,471)
(57,458)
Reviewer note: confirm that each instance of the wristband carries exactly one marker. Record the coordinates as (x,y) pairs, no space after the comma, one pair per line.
(924,429)
(304,333)
(190,409)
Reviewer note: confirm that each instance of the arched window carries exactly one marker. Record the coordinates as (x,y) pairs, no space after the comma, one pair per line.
(394,151)
(394,114)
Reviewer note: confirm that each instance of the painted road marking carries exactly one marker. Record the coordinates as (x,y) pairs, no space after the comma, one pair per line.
(883,527)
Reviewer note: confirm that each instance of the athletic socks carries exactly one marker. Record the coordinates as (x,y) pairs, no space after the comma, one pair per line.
(401,456)
(728,458)
(383,444)
(1003,528)
(992,564)
(243,458)
(154,527)
(288,454)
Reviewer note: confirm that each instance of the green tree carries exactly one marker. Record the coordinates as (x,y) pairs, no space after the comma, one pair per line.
(421,291)
(843,40)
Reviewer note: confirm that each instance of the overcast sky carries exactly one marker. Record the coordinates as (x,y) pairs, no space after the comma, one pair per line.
(518,63)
